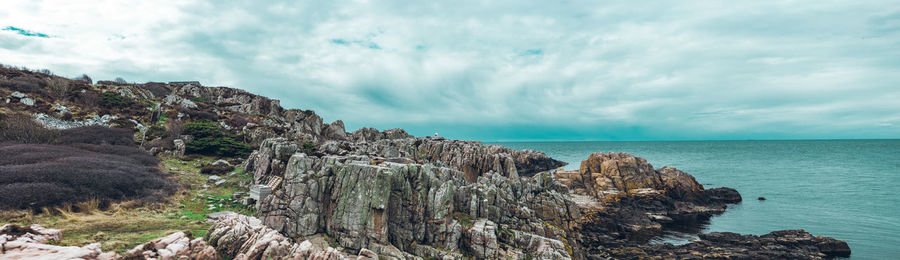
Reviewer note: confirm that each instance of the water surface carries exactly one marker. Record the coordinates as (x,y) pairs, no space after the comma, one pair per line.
(847,189)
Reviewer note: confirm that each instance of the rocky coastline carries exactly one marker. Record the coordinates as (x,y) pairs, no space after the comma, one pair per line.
(370,194)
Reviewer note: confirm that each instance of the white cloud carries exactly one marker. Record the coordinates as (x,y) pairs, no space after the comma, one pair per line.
(686,69)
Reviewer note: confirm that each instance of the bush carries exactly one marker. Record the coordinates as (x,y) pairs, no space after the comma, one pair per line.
(209,139)
(21,128)
(23,84)
(199,115)
(216,170)
(97,135)
(198,99)
(200,129)
(156,131)
(89,98)
(42,175)
(221,146)
(158,89)
(237,121)
(113,100)
(58,87)
(84,78)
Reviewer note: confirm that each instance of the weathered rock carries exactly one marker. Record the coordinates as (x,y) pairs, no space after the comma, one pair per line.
(785,244)
(408,206)
(27,101)
(368,134)
(179,148)
(52,122)
(34,233)
(18,242)
(335,131)
(481,239)
(471,157)
(241,237)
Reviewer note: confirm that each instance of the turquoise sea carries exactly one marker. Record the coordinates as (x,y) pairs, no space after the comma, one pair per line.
(847,189)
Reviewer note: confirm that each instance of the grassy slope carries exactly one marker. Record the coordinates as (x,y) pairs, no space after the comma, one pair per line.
(127,224)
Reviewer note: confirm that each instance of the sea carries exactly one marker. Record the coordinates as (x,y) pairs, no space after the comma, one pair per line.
(846,189)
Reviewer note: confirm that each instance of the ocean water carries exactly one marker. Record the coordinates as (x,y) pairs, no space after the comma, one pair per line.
(847,189)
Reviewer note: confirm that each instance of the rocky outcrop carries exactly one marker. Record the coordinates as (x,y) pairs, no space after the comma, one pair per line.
(422,209)
(613,204)
(242,237)
(471,157)
(177,245)
(335,131)
(785,244)
(51,122)
(17,242)
(368,134)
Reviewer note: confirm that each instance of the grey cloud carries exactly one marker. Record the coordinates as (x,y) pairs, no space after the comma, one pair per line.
(514,70)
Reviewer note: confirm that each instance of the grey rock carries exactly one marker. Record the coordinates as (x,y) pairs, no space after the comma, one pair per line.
(179,148)
(27,101)
(221,163)
(237,236)
(17,94)
(482,239)
(52,122)
(60,109)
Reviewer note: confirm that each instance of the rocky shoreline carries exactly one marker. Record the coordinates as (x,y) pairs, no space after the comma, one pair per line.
(371,194)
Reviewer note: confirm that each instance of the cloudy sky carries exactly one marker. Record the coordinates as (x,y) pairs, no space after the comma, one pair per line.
(503,70)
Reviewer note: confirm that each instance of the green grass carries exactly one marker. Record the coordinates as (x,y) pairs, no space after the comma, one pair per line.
(464,219)
(127,224)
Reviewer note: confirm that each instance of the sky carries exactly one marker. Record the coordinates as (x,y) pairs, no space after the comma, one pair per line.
(503,70)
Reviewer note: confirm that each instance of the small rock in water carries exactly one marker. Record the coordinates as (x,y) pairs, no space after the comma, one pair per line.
(761,198)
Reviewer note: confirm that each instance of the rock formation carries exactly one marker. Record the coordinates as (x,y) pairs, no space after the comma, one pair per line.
(423,207)
(17,242)
(242,237)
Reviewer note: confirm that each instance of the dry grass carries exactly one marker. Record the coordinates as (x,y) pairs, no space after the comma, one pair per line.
(123,225)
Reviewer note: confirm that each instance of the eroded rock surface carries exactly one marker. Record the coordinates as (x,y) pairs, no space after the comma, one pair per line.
(611,207)
(17,242)
(240,237)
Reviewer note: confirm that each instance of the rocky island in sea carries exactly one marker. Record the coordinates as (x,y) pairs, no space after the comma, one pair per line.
(236,176)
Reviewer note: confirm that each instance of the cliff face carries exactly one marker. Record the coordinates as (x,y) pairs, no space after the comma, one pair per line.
(611,207)
(423,210)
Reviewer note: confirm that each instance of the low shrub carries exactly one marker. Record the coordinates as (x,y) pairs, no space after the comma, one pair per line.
(218,146)
(237,121)
(88,98)
(21,128)
(198,114)
(156,131)
(42,175)
(97,135)
(23,84)
(113,100)
(209,139)
(84,78)
(158,89)
(200,129)
(198,100)
(216,169)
